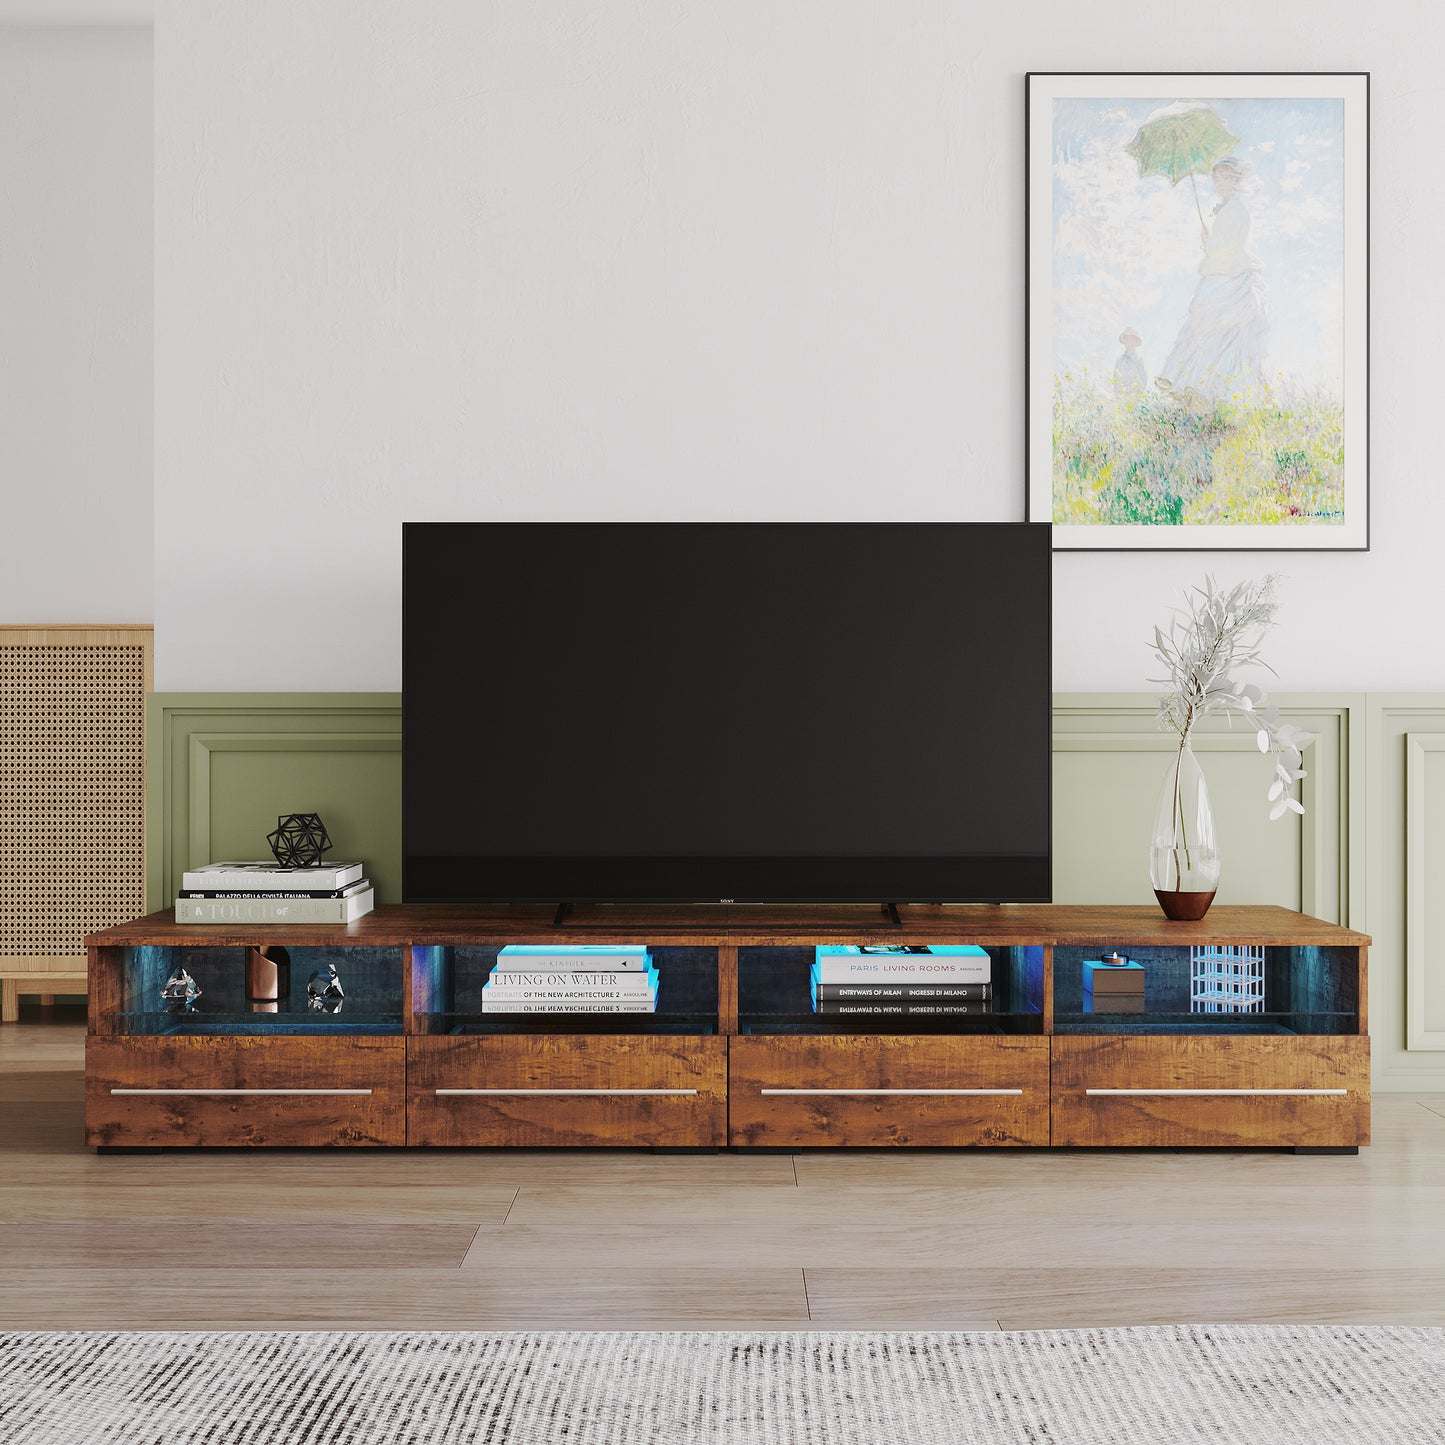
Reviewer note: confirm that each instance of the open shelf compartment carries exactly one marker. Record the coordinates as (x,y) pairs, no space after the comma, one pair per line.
(1299,989)
(774,998)
(370,976)
(447,983)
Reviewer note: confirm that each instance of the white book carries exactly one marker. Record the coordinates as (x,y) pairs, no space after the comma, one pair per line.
(838,970)
(251,877)
(265,910)
(271,895)
(615,1006)
(584,957)
(894,964)
(563,995)
(630,982)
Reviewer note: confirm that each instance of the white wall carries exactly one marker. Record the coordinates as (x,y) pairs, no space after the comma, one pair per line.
(75,324)
(76,12)
(573,258)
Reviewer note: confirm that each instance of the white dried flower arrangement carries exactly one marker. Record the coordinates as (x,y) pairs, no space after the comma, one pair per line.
(1209,639)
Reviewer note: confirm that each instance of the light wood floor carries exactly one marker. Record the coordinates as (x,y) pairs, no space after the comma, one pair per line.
(578,1240)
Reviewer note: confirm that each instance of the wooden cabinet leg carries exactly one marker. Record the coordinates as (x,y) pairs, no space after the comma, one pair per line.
(9,1001)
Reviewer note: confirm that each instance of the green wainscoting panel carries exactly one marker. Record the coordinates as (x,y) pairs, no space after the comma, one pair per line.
(1369,852)
(1405,848)
(223,766)
(1424,889)
(1110,759)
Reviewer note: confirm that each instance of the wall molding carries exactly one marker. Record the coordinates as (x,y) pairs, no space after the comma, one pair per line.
(204,745)
(1404,959)
(1125,723)
(189,735)
(1316,866)
(1366,842)
(1420,751)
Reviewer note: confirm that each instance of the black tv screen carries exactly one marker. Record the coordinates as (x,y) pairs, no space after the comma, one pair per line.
(704,712)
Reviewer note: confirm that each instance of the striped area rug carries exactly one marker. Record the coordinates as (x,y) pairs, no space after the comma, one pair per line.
(1265,1385)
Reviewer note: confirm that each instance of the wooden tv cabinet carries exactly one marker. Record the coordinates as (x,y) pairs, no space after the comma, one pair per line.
(734,1055)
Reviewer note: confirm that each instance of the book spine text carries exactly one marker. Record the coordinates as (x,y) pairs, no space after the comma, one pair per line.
(898,992)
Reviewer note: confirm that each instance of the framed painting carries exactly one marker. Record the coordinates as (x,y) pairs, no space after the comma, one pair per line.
(1198,310)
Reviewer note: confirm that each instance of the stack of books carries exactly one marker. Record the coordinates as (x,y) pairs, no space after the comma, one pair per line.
(269,893)
(618,978)
(944,980)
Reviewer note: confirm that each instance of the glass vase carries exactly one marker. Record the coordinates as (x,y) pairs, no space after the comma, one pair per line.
(1183,858)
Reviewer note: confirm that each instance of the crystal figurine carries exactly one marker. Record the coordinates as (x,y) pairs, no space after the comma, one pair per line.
(180,992)
(323,990)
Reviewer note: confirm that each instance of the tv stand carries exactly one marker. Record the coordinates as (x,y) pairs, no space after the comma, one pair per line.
(560,916)
(735,1055)
(891,909)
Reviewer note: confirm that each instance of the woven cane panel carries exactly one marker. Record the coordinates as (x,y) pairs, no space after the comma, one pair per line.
(72,842)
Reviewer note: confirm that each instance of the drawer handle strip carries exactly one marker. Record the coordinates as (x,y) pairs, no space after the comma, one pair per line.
(890,1091)
(240,1091)
(563,1091)
(1212,1093)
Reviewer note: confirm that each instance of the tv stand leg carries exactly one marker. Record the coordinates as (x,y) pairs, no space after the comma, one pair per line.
(891,909)
(563,909)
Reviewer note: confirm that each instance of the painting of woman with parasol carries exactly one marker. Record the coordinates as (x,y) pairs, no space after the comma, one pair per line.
(1220,348)
(1219,238)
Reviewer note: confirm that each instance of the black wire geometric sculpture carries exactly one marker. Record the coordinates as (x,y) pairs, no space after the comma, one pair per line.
(299,840)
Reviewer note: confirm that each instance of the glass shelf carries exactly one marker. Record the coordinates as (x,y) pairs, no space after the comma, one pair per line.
(1206,1025)
(1307,990)
(775,997)
(371,978)
(816,1023)
(302,1022)
(561,1023)
(450,979)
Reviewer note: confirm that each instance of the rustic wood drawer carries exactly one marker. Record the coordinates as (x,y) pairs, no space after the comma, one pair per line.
(249,1091)
(867,1089)
(1228,1091)
(538,1090)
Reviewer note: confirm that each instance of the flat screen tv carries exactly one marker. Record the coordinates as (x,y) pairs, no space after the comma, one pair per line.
(739,711)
